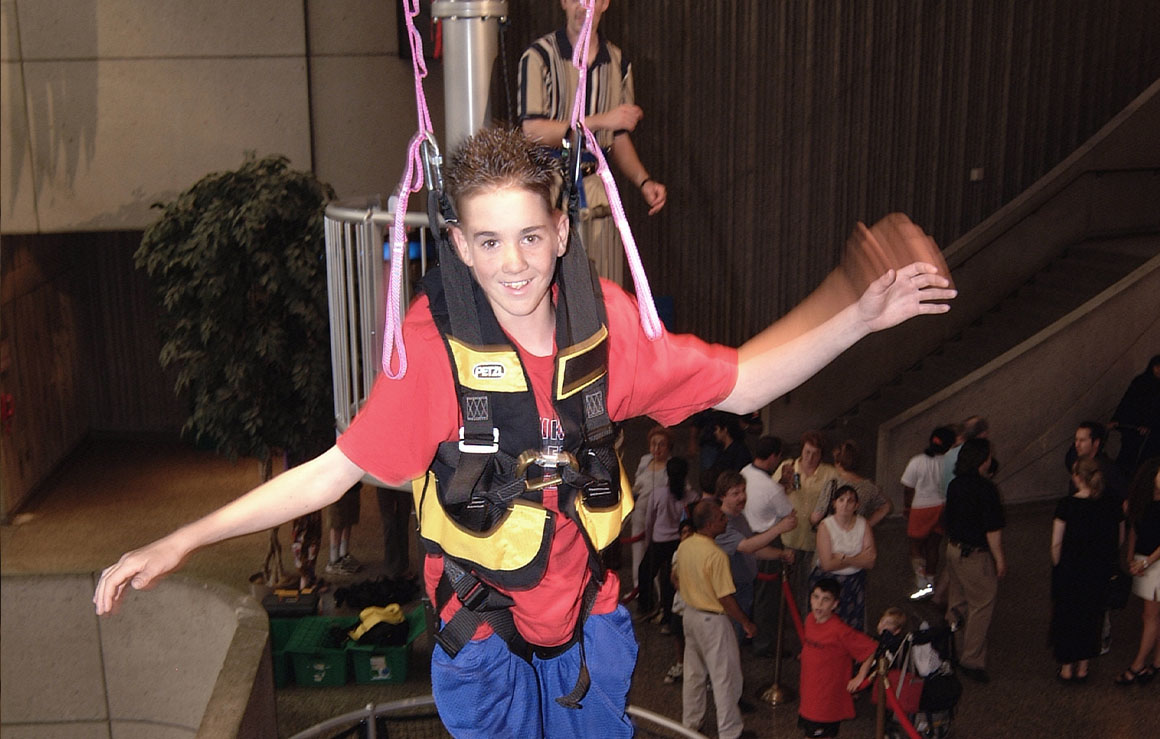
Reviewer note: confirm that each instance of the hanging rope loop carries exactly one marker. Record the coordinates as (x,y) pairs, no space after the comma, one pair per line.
(424,163)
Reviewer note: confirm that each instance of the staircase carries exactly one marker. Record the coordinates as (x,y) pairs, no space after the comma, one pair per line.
(1081,272)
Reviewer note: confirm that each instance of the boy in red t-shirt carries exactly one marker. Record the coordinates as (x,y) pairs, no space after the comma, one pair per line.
(830,649)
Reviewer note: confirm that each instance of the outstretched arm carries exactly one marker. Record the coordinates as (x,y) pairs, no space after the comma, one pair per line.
(763,539)
(294,493)
(840,312)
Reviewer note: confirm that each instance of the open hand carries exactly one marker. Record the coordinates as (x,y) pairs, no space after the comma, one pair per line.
(141,568)
(896,270)
(903,294)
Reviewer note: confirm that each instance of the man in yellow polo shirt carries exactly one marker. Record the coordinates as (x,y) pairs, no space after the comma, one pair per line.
(703,576)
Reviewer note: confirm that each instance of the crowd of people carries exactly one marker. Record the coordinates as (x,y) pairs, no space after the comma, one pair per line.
(754,513)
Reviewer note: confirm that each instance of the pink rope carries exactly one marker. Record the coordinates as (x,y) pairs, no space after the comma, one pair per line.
(412,181)
(648,311)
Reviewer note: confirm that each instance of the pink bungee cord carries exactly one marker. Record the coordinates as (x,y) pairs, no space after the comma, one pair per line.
(653,328)
(412,181)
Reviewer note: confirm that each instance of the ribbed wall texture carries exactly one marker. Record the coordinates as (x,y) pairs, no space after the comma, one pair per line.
(777,124)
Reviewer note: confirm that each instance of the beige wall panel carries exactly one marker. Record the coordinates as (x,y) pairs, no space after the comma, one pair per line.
(9,40)
(364,116)
(162,126)
(84,29)
(17,206)
(352,27)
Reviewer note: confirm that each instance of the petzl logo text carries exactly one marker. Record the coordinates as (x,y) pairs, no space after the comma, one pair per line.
(489,371)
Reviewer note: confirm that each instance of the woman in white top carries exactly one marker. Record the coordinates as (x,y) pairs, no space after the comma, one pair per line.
(923,499)
(845,551)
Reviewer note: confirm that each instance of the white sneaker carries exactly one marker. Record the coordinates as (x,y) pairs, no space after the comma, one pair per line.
(675,673)
(925,591)
(344,565)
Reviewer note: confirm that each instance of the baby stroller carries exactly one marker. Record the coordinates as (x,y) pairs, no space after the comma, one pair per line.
(923,679)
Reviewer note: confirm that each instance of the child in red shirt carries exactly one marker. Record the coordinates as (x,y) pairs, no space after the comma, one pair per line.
(830,649)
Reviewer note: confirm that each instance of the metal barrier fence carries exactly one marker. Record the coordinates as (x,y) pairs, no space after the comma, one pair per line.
(416,717)
(356,290)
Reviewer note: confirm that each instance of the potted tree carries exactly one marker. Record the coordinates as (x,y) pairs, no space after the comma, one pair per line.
(238,264)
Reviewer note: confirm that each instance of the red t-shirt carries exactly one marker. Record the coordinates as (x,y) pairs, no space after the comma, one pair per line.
(395,436)
(829,652)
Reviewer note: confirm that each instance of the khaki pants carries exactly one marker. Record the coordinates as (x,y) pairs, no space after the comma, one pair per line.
(972,586)
(711,652)
(598,229)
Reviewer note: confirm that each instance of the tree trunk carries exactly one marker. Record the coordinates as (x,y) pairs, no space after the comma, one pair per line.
(272,569)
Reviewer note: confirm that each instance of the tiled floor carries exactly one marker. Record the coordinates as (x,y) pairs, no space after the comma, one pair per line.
(116,494)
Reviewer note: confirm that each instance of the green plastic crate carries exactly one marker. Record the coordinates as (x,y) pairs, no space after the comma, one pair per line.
(281,629)
(317,664)
(373,664)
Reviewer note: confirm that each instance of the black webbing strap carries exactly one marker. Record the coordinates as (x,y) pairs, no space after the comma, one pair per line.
(480,603)
(478,425)
(583,680)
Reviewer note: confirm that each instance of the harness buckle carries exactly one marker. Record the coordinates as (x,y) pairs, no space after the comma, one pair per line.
(473,448)
(545,459)
(474,597)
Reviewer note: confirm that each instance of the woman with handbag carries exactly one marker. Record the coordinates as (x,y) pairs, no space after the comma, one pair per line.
(1085,539)
(1143,554)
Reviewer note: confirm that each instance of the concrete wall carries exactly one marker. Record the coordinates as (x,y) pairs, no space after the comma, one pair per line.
(185,660)
(111,105)
(1036,394)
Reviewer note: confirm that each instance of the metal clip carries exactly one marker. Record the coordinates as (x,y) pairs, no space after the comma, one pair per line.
(432,163)
(544,459)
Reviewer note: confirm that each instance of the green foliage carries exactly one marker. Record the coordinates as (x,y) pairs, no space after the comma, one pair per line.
(238,263)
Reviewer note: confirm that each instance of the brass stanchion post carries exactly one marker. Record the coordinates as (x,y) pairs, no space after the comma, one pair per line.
(778,694)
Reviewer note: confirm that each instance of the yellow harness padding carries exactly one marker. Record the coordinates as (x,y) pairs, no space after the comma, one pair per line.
(511,545)
(370,617)
(603,524)
(493,369)
(515,542)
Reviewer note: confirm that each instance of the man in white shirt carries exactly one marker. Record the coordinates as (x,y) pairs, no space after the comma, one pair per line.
(766,507)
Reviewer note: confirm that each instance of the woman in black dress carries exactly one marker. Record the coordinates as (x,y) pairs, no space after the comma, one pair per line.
(1085,540)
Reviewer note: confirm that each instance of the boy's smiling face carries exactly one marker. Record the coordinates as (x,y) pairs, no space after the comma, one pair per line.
(822,605)
(511,239)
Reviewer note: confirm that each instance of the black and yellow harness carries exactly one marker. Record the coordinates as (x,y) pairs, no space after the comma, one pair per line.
(481,503)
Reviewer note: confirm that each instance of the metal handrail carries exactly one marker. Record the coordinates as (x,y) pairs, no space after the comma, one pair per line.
(367,716)
(356,294)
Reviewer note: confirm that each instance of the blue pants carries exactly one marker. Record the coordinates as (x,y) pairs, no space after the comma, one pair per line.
(487,691)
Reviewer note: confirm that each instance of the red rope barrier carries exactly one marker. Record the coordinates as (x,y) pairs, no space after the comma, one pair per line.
(793,611)
(892,701)
(768,576)
(632,539)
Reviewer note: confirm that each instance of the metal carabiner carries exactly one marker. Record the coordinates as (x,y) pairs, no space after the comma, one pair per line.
(544,459)
(432,163)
